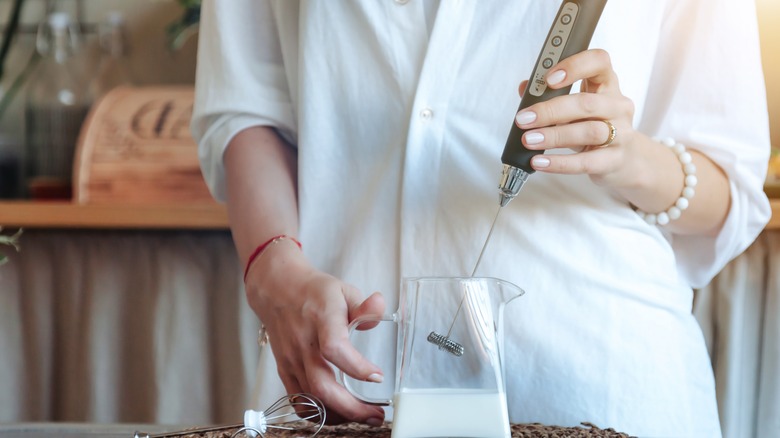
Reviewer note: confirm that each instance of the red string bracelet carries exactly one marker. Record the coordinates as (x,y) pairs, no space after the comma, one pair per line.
(263,246)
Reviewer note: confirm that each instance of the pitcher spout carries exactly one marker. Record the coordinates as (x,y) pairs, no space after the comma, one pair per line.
(504,292)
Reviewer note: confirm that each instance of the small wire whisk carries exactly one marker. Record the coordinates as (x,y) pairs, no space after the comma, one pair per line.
(298,412)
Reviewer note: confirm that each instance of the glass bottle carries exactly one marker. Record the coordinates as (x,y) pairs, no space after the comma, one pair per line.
(10,141)
(113,69)
(57,103)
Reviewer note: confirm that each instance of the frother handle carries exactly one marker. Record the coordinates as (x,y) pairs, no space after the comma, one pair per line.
(345,379)
(569,34)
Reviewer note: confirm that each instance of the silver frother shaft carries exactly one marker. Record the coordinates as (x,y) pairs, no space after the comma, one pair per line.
(512,180)
(442,341)
(570,33)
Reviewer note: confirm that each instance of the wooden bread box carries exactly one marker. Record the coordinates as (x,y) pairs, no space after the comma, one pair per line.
(135,147)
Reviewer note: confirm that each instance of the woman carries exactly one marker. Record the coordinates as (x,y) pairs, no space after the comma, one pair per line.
(371,131)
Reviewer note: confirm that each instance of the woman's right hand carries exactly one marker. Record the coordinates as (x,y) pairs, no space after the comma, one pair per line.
(306,314)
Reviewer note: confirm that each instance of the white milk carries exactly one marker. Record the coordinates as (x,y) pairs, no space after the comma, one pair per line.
(450,413)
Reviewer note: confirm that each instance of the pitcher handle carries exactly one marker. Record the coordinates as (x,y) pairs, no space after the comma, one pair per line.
(345,378)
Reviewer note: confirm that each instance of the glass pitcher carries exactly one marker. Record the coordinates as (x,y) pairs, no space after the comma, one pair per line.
(449,377)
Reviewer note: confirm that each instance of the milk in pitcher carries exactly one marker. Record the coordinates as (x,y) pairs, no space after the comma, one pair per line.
(458,412)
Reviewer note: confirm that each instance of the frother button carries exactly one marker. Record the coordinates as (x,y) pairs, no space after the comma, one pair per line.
(426,114)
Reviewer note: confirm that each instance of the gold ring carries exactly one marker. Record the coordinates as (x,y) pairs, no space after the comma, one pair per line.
(611,136)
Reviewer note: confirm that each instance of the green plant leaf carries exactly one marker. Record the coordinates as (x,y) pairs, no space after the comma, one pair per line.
(12,240)
(190,3)
(186,26)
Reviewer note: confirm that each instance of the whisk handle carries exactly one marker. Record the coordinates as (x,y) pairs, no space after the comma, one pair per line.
(345,379)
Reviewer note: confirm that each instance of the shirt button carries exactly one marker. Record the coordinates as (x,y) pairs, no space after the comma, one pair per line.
(426,114)
(402,2)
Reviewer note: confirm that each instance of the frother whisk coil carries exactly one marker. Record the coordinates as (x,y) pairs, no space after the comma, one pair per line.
(446,344)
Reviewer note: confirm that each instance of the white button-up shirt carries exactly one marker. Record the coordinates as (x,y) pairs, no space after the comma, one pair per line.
(400,113)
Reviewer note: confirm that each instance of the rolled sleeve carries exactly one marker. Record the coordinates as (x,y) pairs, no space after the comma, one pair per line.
(728,124)
(240,82)
(700,258)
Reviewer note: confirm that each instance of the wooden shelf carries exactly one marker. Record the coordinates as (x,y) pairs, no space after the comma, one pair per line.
(40,214)
(29,214)
(774,221)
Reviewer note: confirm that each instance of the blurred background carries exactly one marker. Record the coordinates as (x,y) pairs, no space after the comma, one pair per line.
(769,26)
(155,56)
(110,42)
(147,22)
(138,324)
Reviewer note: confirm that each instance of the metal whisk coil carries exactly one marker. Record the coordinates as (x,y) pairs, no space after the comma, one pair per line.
(446,344)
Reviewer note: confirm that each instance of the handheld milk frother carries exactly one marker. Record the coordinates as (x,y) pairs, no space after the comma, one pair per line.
(570,33)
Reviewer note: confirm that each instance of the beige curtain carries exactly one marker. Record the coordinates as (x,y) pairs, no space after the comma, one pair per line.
(152,327)
(739,313)
(125,326)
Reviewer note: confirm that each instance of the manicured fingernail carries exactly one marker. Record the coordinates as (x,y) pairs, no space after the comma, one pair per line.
(376,378)
(534,137)
(540,162)
(375,422)
(525,117)
(556,77)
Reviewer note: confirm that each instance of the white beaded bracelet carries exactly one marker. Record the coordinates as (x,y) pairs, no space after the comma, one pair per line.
(675,211)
